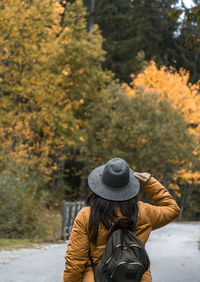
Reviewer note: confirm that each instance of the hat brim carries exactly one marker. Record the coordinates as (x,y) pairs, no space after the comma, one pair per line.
(114,194)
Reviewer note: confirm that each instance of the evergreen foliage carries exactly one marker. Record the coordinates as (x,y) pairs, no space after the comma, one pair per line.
(138,31)
(187,46)
(132,27)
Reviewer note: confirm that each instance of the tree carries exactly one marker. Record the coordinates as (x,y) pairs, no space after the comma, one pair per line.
(132,27)
(144,130)
(83,80)
(33,121)
(187,54)
(187,45)
(174,86)
(51,78)
(184,96)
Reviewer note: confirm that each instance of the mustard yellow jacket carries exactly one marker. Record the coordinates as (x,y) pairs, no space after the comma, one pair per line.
(150,217)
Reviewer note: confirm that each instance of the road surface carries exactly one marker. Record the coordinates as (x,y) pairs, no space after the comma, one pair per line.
(174,253)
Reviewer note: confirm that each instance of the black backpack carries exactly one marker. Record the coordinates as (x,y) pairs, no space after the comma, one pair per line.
(124,259)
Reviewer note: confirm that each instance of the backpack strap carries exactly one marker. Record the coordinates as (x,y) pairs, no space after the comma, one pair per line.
(93,267)
(92,263)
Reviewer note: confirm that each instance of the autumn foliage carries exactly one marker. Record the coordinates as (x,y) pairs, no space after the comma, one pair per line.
(49,73)
(62,114)
(175,87)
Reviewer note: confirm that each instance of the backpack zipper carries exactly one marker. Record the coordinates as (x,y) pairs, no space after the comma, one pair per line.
(124,247)
(122,262)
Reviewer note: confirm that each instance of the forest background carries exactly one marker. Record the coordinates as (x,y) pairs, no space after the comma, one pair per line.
(82,82)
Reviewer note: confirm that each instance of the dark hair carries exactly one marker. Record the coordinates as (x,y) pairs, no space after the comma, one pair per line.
(106,212)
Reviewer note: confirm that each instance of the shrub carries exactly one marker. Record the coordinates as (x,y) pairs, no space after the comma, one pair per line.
(20,203)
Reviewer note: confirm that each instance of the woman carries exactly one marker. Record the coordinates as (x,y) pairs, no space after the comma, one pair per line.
(114,189)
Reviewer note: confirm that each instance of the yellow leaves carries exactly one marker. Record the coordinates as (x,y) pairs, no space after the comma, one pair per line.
(71,143)
(174,186)
(38,98)
(19,126)
(176,88)
(68,107)
(71,83)
(65,72)
(81,71)
(82,139)
(142,141)
(61,147)
(58,8)
(65,37)
(171,85)
(189,176)
(104,143)
(129,91)
(178,194)
(133,167)
(72,129)
(40,106)
(66,29)
(46,130)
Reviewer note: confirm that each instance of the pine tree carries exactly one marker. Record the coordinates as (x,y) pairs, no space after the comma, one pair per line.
(132,27)
(187,53)
(187,46)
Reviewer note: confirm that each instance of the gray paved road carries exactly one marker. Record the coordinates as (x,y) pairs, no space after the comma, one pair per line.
(173,251)
(45,265)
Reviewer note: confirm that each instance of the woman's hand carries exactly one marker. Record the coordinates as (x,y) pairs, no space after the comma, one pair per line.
(142,176)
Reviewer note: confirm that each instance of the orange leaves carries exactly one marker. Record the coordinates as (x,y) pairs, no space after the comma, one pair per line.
(81,138)
(51,74)
(188,176)
(58,8)
(176,88)
(176,189)
(171,85)
(174,186)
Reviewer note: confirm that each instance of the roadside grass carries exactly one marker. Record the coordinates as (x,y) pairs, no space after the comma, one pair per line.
(50,223)
(10,244)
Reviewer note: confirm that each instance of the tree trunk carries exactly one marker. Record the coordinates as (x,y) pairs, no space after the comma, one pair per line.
(91,15)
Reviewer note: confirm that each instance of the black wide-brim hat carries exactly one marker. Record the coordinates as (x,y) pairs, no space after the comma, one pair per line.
(114,181)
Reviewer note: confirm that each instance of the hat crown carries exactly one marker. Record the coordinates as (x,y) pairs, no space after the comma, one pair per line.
(116,173)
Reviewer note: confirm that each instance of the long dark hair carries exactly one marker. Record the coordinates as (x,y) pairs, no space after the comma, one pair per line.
(106,212)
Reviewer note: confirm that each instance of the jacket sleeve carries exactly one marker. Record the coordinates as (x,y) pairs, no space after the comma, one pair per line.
(165,209)
(77,251)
